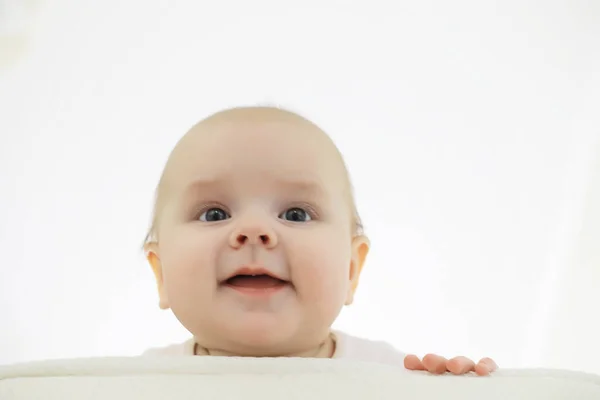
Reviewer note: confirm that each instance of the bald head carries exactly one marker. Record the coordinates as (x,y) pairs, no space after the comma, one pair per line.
(235,140)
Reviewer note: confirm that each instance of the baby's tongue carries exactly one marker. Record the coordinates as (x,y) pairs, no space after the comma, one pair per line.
(255,282)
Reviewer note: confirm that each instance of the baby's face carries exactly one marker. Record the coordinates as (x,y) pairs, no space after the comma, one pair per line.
(256,197)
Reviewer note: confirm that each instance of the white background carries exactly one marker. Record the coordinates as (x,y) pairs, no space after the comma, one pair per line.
(471,129)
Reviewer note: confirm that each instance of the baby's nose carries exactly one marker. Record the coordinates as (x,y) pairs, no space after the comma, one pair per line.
(257,236)
(243,239)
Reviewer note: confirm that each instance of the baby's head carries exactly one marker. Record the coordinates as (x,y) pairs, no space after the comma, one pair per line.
(256,191)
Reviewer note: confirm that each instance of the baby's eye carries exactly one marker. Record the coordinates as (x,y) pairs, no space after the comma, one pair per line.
(214,214)
(295,215)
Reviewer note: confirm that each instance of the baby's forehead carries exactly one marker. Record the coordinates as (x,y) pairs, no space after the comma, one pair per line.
(248,145)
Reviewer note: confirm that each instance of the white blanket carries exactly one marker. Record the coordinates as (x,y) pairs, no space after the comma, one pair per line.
(202,378)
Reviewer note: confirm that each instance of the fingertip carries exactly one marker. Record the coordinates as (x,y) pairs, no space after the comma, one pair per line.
(460,365)
(482,370)
(456,367)
(433,359)
(491,364)
(413,363)
(487,366)
(435,364)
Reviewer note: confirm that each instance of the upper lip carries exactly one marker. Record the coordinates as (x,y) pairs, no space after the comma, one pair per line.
(249,270)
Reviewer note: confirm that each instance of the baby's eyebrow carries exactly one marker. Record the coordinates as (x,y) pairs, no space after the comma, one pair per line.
(307,187)
(202,184)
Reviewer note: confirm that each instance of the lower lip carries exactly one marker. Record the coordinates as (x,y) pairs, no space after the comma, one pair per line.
(258,292)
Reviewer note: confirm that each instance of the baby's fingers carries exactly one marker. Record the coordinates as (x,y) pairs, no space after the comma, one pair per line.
(435,364)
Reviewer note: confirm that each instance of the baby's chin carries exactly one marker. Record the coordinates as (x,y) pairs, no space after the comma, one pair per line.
(260,337)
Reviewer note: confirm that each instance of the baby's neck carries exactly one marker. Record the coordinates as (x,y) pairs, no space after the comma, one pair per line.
(323,350)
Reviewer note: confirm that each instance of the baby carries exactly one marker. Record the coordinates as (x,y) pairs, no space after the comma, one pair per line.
(256,243)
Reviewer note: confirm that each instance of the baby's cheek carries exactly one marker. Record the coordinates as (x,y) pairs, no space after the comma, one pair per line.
(187,262)
(190,282)
(321,272)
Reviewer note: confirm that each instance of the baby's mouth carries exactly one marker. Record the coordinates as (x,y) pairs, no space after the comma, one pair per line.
(259,281)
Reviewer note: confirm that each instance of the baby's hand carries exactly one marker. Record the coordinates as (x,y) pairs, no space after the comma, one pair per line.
(459,365)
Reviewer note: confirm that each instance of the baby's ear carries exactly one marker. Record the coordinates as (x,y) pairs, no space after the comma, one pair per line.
(153,258)
(360,249)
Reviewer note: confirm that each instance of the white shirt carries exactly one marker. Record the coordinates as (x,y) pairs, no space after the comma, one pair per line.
(347,347)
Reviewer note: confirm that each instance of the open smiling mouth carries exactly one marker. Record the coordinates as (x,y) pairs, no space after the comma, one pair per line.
(255,282)
(262,281)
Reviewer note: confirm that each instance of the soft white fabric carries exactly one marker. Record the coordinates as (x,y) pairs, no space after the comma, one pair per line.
(347,347)
(224,378)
